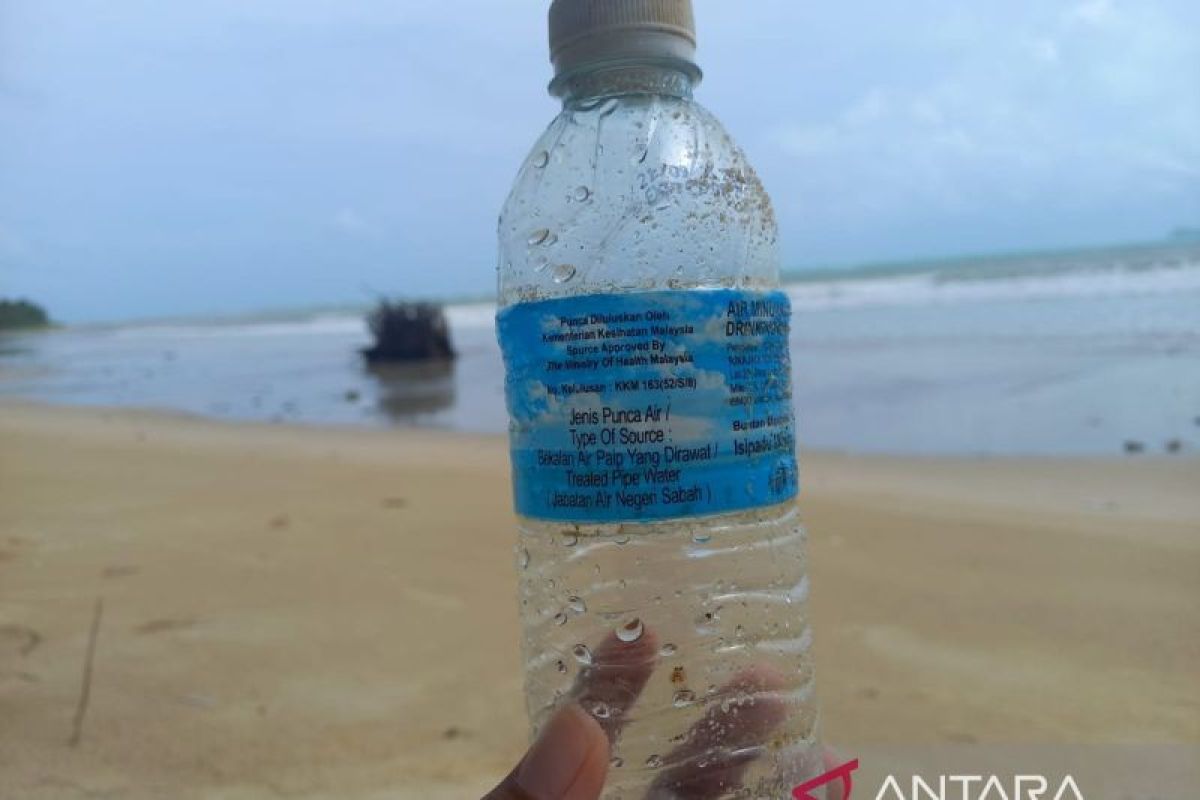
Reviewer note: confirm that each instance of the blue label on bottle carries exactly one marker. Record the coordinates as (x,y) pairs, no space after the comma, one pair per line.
(649,406)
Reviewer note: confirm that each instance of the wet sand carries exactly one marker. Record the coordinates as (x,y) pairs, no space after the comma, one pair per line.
(309,613)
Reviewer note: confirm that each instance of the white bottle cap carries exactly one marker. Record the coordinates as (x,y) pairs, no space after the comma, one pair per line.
(588,33)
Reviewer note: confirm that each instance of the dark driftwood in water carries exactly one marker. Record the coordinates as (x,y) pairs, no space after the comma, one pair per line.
(407,332)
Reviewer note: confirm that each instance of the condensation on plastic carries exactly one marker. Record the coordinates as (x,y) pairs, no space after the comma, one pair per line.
(634,187)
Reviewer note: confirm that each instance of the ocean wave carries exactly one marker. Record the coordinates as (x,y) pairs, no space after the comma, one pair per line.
(339,324)
(472,315)
(930,288)
(914,288)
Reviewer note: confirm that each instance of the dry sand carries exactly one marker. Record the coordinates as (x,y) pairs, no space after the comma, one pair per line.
(329,613)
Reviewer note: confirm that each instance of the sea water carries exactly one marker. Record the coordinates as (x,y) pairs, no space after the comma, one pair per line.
(1071,354)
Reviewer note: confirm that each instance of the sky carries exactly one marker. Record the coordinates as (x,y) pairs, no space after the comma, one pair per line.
(226,156)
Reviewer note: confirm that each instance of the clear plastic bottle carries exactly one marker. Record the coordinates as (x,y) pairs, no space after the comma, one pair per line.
(662,564)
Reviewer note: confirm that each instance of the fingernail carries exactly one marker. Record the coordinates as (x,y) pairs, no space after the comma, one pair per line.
(559,753)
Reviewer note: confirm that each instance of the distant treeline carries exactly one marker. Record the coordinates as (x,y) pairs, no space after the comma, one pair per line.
(22,314)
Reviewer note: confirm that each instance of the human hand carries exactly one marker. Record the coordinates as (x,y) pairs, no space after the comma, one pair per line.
(570,759)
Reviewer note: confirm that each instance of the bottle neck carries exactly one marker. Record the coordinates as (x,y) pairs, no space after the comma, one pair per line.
(588,86)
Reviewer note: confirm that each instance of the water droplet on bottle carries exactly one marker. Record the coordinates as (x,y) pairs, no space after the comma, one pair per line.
(539,236)
(541,159)
(668,650)
(654,762)
(701,537)
(560,618)
(564,273)
(540,263)
(582,654)
(631,631)
(616,762)
(684,697)
(739,632)
(561,667)
(601,711)
(621,538)
(576,605)
(639,155)
(569,539)
(523,558)
(582,193)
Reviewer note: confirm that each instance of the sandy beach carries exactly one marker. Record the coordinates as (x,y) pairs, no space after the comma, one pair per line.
(329,613)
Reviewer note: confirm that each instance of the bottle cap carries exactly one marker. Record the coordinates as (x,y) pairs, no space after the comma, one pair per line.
(590,33)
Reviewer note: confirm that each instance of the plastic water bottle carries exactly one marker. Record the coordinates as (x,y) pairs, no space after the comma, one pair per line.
(661,559)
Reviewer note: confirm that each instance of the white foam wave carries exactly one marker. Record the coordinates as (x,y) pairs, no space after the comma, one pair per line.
(837,293)
(340,324)
(473,315)
(926,288)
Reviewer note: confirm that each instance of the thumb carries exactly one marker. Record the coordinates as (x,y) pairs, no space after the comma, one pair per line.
(568,761)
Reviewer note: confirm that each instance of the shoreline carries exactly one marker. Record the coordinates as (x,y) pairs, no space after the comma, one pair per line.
(1079,364)
(315,611)
(964,480)
(17,403)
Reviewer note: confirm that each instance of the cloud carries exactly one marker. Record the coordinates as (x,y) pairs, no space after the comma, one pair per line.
(1043,50)
(1166,163)
(1097,13)
(351,223)
(13,247)
(885,122)
(1092,108)
(202,134)
(805,140)
(872,107)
